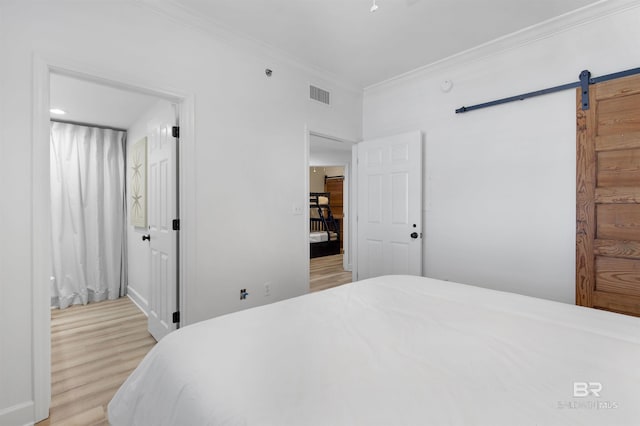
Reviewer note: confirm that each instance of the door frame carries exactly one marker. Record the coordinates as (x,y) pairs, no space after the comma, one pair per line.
(354,211)
(41,254)
(348,240)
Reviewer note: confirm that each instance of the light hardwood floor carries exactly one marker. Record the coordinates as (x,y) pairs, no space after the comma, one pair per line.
(95,347)
(327,272)
(93,350)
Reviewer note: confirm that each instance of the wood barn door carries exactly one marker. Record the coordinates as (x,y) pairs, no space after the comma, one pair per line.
(608,197)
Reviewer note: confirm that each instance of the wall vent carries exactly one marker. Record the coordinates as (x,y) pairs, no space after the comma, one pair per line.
(320,95)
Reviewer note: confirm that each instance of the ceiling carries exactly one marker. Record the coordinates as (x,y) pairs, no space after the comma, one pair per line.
(343,38)
(340,37)
(92,103)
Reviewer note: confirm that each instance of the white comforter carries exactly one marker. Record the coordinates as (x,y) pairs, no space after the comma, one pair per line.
(393,350)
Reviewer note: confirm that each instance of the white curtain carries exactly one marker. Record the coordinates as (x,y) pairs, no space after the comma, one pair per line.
(88,214)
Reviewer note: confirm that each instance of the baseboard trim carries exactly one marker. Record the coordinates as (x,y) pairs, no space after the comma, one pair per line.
(19,414)
(138,300)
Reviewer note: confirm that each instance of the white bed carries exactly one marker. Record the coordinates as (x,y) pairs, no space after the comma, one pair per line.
(393,350)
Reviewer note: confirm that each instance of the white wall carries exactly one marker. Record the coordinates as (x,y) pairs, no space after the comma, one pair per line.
(333,171)
(138,253)
(316,179)
(246,125)
(500,182)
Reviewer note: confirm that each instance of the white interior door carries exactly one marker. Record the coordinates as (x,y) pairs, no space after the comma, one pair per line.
(389,200)
(162,210)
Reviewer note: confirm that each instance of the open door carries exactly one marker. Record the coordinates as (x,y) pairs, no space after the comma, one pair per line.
(162,149)
(389,203)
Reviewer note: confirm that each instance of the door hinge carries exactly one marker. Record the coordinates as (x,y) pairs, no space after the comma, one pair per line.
(176,317)
(175,131)
(176,224)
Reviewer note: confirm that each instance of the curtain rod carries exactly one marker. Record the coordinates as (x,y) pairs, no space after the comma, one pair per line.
(78,123)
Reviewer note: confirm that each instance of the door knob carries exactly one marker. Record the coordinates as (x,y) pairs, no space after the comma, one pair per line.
(414,235)
(148,237)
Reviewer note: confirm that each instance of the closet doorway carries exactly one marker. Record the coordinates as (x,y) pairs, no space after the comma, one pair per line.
(329,218)
(104,144)
(125,129)
(88,147)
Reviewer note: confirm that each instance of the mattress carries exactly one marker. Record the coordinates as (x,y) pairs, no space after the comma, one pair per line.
(321,236)
(318,237)
(323,201)
(394,350)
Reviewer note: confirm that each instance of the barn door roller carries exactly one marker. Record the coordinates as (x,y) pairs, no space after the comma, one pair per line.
(583,83)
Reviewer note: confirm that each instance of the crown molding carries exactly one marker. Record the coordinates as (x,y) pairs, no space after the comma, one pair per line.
(549,28)
(181,14)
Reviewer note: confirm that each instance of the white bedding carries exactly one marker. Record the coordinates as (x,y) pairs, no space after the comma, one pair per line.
(318,237)
(323,201)
(393,350)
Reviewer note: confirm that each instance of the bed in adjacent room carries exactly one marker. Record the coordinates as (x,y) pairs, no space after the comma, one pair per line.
(393,350)
(324,229)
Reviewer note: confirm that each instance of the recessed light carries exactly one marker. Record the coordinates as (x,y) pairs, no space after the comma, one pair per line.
(57,111)
(374,7)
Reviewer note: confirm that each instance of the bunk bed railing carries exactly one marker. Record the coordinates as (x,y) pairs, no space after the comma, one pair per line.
(327,218)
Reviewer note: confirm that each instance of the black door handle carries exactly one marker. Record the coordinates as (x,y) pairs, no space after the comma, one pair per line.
(414,235)
(148,237)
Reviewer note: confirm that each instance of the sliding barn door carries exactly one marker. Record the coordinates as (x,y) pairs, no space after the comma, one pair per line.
(608,197)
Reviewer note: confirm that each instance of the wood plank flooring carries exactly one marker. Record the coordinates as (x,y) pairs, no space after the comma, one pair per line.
(327,272)
(94,348)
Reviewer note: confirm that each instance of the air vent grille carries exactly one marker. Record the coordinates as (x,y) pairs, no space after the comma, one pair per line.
(320,95)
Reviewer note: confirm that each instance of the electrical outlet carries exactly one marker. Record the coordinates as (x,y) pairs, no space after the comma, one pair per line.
(243,294)
(267,289)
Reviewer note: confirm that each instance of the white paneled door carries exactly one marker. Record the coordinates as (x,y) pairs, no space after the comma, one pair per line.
(162,210)
(389,197)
